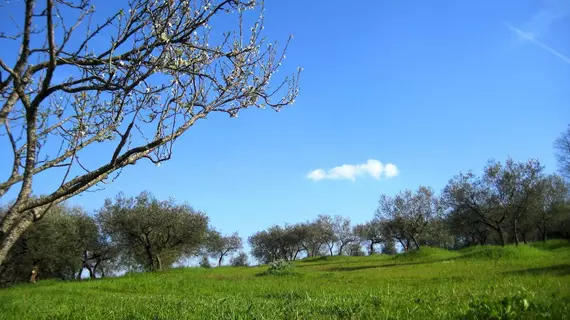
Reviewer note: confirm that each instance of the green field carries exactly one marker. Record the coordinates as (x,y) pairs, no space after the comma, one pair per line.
(526,282)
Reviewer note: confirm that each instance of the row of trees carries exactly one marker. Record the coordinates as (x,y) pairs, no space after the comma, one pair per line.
(509,202)
(128,233)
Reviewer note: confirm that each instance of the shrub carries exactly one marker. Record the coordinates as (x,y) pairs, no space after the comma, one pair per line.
(205,262)
(279,268)
(240,260)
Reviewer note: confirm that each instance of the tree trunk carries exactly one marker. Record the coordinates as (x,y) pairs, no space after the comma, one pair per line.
(523,234)
(416,243)
(371,249)
(91,274)
(331,250)
(516,232)
(158,262)
(150,258)
(544,235)
(8,238)
(340,248)
(220,260)
(501,235)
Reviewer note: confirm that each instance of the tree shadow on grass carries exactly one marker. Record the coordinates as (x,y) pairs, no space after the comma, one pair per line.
(558,270)
(376,266)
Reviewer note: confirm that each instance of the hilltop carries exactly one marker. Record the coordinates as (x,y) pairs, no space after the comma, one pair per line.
(528,281)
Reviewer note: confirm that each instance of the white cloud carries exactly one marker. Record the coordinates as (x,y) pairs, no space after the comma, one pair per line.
(373,168)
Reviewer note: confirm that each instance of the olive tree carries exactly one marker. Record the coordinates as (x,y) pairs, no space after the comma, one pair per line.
(127,85)
(498,199)
(152,233)
(370,234)
(408,213)
(220,246)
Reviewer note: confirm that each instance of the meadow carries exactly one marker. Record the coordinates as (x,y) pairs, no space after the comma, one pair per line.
(486,282)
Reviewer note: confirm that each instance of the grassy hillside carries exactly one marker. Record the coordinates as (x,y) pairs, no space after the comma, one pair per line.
(526,282)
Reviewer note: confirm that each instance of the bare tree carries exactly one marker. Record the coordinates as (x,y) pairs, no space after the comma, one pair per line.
(562,146)
(134,82)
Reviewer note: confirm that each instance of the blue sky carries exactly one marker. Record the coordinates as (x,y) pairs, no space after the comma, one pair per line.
(432,87)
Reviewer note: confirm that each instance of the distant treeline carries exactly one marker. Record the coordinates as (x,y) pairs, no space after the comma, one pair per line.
(509,202)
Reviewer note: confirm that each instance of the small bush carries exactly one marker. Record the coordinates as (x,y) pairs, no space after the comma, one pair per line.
(279,268)
(240,260)
(205,262)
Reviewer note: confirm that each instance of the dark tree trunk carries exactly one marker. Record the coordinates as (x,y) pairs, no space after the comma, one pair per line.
(331,250)
(150,258)
(516,232)
(371,249)
(416,243)
(340,248)
(523,235)
(220,260)
(501,235)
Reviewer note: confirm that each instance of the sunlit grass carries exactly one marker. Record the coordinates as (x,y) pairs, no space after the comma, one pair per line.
(529,281)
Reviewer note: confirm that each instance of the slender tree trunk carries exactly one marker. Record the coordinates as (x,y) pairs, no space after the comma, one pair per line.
(331,250)
(523,235)
(95,269)
(516,232)
(371,249)
(91,273)
(416,243)
(340,248)
(544,235)
(220,260)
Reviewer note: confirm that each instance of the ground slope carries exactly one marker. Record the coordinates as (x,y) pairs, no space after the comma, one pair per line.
(525,282)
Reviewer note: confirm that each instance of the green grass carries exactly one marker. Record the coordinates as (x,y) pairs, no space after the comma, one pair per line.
(525,282)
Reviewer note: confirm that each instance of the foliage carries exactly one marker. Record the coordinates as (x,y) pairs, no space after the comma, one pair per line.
(406,215)
(240,260)
(151,233)
(389,247)
(55,245)
(205,262)
(279,268)
(562,146)
(370,233)
(220,246)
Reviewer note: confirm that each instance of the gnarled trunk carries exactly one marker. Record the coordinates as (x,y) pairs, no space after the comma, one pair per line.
(10,232)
